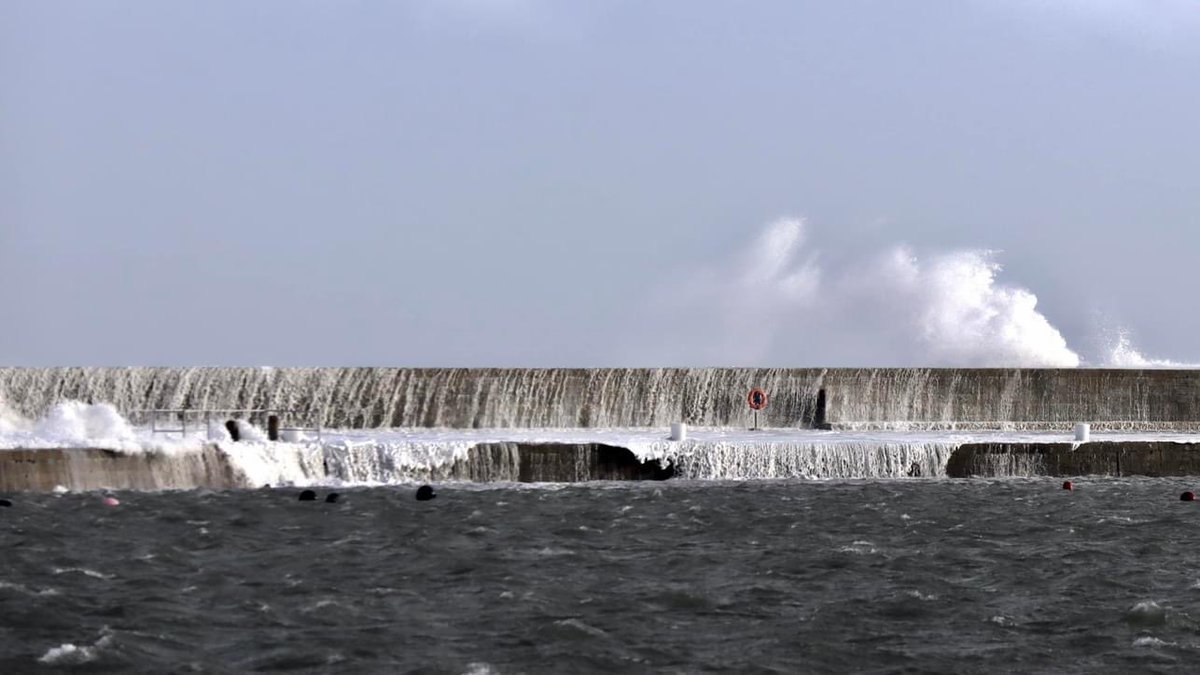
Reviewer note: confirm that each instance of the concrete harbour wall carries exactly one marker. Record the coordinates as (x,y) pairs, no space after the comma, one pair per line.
(1126,458)
(920,398)
(80,469)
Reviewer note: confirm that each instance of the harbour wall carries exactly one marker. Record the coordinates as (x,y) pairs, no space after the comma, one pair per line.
(1140,458)
(221,467)
(82,469)
(554,463)
(217,467)
(854,398)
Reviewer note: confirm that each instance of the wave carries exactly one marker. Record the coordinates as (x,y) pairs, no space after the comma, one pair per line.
(776,301)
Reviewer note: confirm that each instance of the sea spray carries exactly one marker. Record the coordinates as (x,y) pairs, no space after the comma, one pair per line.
(775,302)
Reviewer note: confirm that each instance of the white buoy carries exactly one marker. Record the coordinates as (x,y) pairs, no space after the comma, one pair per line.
(1082,432)
(678,431)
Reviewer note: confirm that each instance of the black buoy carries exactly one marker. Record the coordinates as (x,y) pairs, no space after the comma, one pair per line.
(308,496)
(331,498)
(5,502)
(235,434)
(425,493)
(1188,496)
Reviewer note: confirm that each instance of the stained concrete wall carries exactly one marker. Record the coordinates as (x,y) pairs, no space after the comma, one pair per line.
(598,397)
(554,463)
(1125,458)
(96,469)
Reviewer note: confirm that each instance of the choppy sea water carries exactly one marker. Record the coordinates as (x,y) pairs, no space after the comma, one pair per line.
(886,576)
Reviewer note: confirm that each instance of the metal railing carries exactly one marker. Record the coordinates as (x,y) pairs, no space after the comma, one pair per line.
(202,418)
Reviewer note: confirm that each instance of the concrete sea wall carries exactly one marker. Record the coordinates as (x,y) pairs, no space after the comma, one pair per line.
(839,398)
(81,469)
(554,462)
(213,467)
(1126,458)
(636,397)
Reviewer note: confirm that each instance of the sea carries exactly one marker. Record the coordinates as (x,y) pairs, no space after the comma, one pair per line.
(681,576)
(771,550)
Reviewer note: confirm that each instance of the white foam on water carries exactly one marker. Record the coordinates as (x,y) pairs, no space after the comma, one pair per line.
(1151,642)
(1146,612)
(68,654)
(21,588)
(84,571)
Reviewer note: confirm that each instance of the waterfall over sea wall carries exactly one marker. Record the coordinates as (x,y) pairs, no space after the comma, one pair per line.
(375,462)
(453,398)
(772,460)
(617,397)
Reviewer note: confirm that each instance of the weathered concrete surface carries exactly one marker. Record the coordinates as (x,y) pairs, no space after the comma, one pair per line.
(1026,398)
(1123,458)
(554,463)
(96,469)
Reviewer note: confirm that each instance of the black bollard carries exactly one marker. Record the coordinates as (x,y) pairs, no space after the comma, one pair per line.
(425,493)
(308,496)
(5,502)
(234,433)
(273,427)
(331,498)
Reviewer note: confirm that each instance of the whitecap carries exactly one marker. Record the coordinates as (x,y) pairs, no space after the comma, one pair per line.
(68,654)
(1146,612)
(1150,641)
(859,547)
(581,627)
(84,571)
(550,552)
(320,604)
(21,588)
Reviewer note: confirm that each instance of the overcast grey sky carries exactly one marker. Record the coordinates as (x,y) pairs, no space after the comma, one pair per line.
(544,183)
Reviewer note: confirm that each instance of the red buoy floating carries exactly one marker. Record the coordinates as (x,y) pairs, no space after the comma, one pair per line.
(111,501)
(1068,485)
(1188,496)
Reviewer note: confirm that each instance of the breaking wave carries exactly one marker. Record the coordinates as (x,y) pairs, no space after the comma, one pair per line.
(775,302)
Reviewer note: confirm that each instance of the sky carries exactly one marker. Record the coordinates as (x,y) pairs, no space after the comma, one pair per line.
(601,183)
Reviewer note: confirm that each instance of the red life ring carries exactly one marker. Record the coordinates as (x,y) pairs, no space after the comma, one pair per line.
(757,398)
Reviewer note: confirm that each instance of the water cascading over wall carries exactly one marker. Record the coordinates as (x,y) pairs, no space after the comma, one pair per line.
(453,398)
(621,397)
